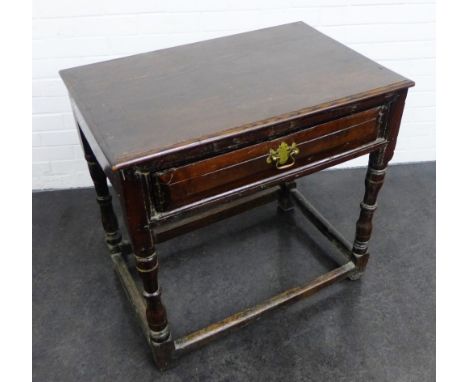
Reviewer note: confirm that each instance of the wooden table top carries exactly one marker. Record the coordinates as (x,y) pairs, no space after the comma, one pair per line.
(149,104)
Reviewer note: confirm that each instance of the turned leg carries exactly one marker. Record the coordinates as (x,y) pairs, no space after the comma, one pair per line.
(104,199)
(285,202)
(147,265)
(160,336)
(374,181)
(378,161)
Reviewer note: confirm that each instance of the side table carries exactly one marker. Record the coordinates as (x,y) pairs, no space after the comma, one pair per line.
(197,133)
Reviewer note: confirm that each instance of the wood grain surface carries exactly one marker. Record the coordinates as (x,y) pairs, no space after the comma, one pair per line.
(149,105)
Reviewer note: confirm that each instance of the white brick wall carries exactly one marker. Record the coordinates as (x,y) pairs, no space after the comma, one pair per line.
(399,34)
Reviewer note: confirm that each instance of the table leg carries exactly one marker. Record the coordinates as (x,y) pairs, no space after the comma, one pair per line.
(374,181)
(378,161)
(104,199)
(160,336)
(285,201)
(135,201)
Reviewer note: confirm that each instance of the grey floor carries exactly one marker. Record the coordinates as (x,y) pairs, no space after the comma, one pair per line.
(381,328)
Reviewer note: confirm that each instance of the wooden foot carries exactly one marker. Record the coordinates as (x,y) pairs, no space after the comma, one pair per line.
(163,353)
(360,261)
(285,202)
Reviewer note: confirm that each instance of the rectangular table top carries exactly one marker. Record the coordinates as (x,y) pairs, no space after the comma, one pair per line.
(149,104)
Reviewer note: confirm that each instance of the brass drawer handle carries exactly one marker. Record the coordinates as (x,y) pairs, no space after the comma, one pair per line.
(283,156)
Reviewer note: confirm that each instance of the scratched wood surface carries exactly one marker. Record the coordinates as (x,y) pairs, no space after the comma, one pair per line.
(151,104)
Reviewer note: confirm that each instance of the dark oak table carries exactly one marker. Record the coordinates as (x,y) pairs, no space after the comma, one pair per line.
(194,134)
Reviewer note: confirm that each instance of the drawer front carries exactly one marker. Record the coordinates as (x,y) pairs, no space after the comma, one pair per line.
(195,181)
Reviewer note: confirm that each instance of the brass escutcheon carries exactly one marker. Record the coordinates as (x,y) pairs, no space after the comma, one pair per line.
(283,156)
